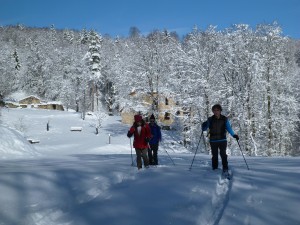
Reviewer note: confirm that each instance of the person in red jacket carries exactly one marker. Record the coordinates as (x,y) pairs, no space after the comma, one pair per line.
(142,134)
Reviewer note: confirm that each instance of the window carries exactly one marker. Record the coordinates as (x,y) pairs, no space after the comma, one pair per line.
(167,101)
(167,116)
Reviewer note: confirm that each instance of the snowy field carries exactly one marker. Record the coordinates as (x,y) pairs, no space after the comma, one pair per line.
(79,178)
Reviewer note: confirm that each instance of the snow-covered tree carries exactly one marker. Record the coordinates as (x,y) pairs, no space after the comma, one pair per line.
(199,84)
(280,106)
(252,73)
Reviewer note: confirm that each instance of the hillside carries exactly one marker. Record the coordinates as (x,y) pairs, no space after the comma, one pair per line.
(78,178)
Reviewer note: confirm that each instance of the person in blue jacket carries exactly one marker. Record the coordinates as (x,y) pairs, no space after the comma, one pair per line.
(218,124)
(154,141)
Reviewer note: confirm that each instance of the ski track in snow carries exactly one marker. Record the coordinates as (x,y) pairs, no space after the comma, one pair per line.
(97,189)
(79,179)
(208,211)
(213,211)
(221,198)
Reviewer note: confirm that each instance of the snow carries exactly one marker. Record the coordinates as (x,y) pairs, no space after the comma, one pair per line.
(79,178)
(16,96)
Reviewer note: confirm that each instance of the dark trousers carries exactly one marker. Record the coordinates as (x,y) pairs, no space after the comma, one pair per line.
(141,153)
(215,146)
(152,154)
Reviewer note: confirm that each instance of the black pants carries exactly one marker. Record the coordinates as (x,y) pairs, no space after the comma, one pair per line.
(215,146)
(152,154)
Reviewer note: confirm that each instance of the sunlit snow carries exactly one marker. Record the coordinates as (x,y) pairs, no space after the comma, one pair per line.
(73,177)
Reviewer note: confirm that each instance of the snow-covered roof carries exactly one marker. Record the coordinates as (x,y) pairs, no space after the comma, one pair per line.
(55,103)
(20,95)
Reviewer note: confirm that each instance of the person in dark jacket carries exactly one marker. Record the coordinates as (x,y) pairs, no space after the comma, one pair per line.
(154,141)
(218,124)
(142,134)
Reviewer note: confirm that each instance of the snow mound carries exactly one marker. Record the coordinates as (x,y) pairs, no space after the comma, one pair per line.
(14,145)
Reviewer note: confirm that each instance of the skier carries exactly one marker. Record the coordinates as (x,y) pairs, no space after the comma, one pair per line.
(218,124)
(154,141)
(142,135)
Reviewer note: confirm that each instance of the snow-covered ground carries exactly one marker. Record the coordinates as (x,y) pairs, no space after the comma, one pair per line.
(73,177)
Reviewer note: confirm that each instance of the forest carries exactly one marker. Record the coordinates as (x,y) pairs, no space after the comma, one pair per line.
(253,73)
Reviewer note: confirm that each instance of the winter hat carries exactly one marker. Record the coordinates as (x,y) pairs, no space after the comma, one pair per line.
(216,106)
(152,117)
(137,118)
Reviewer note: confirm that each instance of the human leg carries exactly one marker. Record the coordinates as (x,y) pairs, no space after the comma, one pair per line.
(138,158)
(145,157)
(223,146)
(150,156)
(214,150)
(154,148)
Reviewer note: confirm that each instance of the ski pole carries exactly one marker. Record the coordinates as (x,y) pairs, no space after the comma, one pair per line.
(196,151)
(204,142)
(170,157)
(243,154)
(167,154)
(132,164)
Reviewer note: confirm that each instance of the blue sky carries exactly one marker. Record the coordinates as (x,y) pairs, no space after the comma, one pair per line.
(115,17)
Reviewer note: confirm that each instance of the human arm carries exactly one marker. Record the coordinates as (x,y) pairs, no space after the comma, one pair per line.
(148,133)
(205,125)
(130,132)
(159,134)
(229,129)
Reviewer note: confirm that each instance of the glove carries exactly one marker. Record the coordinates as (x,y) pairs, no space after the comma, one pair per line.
(236,137)
(147,140)
(204,125)
(129,134)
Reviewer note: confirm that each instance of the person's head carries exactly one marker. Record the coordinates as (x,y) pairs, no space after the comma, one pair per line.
(217,109)
(152,119)
(138,120)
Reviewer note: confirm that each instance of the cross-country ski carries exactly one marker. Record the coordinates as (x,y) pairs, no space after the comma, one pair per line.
(227,174)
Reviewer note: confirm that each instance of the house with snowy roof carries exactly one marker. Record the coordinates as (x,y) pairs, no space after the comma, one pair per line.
(21,101)
(167,109)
